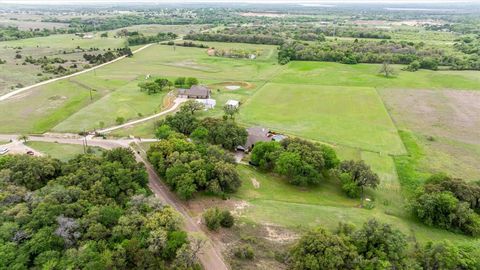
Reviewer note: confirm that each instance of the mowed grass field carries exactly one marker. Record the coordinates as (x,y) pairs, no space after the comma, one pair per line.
(63,152)
(350,116)
(367,75)
(277,202)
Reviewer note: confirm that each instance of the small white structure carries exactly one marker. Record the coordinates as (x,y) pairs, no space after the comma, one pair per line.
(233,103)
(208,103)
(88,36)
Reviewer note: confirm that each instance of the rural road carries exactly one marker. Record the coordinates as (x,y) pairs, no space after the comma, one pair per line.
(176,103)
(18,91)
(210,257)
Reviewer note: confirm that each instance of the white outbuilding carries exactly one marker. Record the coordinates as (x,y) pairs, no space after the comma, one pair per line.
(233,103)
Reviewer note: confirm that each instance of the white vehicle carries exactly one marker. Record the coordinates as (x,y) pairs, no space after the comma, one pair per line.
(3,151)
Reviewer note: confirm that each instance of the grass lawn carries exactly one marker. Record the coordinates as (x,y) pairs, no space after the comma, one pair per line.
(39,110)
(367,75)
(277,202)
(63,152)
(127,102)
(350,116)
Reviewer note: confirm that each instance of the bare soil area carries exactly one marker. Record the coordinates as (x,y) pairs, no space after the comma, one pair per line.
(447,113)
(446,125)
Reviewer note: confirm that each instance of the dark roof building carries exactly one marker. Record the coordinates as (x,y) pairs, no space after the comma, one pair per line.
(255,135)
(196,91)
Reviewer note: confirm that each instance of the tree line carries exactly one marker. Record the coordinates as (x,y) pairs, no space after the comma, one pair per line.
(140,39)
(92,212)
(375,245)
(159,84)
(448,203)
(253,39)
(362,51)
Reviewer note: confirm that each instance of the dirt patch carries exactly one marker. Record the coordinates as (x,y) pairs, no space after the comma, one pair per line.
(446,125)
(233,86)
(278,234)
(255,183)
(445,113)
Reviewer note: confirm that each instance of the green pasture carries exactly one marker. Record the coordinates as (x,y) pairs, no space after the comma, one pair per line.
(350,116)
(277,202)
(39,110)
(67,41)
(127,102)
(63,152)
(367,75)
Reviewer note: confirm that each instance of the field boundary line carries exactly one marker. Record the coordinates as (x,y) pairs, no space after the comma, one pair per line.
(18,91)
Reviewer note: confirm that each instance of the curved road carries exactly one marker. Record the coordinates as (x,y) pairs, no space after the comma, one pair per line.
(18,91)
(210,256)
(176,103)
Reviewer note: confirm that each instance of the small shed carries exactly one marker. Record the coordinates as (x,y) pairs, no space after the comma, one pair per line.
(233,103)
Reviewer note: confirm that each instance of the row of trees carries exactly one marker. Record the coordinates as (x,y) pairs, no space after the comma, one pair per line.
(13,33)
(254,39)
(89,213)
(375,245)
(407,53)
(187,44)
(141,39)
(448,203)
(160,84)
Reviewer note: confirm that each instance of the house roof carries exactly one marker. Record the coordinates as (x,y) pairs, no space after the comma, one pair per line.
(195,90)
(257,134)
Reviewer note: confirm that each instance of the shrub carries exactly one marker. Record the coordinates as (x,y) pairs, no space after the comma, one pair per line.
(227,219)
(120,120)
(244,252)
(212,218)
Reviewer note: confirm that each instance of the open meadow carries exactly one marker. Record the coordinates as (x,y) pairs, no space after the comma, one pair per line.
(350,116)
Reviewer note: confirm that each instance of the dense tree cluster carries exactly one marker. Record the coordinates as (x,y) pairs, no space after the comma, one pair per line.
(449,203)
(187,44)
(107,56)
(140,39)
(302,162)
(223,132)
(89,213)
(254,39)
(375,245)
(188,167)
(362,51)
(156,86)
(307,32)
(13,33)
